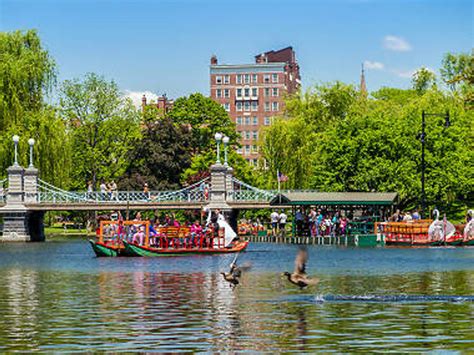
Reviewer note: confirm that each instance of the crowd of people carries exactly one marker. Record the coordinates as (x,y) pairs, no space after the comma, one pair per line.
(194,233)
(314,223)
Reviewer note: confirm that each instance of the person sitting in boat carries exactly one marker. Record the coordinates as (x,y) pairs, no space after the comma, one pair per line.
(139,237)
(196,231)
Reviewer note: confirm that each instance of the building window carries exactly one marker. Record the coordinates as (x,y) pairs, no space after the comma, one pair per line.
(246,105)
(247,134)
(255,135)
(247,78)
(266,78)
(255,162)
(226,106)
(238,120)
(247,120)
(239,92)
(218,79)
(247,92)
(254,105)
(254,92)
(274,78)
(238,106)
(242,134)
(267,106)
(218,93)
(239,150)
(254,148)
(266,121)
(274,106)
(255,120)
(247,149)
(254,78)
(226,93)
(275,92)
(226,79)
(267,92)
(239,79)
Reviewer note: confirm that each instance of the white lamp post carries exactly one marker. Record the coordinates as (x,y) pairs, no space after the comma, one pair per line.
(225,140)
(218,137)
(16,139)
(31,142)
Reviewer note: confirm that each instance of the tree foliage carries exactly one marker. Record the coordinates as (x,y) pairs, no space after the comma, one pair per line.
(160,156)
(422,80)
(205,117)
(374,146)
(103,128)
(457,73)
(27,74)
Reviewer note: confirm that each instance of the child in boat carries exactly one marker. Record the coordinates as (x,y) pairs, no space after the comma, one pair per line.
(196,231)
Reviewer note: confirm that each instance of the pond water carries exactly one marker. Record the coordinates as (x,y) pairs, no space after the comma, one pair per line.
(57,296)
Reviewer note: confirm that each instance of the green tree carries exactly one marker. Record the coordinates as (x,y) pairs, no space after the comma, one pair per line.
(205,117)
(422,80)
(457,73)
(103,126)
(160,156)
(27,74)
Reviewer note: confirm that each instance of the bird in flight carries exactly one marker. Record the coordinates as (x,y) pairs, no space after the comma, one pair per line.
(299,277)
(234,274)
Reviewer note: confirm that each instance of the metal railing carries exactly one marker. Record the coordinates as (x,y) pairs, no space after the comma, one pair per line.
(244,192)
(52,194)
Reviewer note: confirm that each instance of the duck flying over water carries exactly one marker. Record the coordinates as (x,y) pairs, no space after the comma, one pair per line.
(234,274)
(299,277)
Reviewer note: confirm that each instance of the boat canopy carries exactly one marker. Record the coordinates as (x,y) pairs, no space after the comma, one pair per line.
(353,199)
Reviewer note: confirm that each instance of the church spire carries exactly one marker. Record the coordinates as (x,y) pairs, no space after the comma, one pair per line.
(363,87)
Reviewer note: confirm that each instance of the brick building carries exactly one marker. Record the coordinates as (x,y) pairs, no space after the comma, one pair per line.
(162,103)
(253,93)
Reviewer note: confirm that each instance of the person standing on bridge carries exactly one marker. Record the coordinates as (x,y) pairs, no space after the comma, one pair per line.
(113,189)
(146,191)
(103,190)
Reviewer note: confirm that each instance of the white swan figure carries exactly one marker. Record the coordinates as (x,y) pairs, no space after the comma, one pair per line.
(440,231)
(469,228)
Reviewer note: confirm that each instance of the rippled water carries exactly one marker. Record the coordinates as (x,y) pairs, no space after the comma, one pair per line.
(56,296)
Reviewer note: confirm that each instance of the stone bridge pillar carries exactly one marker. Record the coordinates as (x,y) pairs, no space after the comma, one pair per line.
(19,223)
(217,194)
(30,185)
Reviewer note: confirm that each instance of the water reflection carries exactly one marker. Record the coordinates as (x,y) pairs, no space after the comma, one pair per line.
(145,305)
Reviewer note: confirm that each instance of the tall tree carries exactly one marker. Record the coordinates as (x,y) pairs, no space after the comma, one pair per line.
(422,80)
(27,74)
(161,155)
(457,73)
(104,127)
(205,117)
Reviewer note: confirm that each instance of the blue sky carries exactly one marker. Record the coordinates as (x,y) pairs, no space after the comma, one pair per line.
(165,46)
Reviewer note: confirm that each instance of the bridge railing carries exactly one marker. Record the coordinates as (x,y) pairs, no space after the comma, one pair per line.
(244,192)
(193,193)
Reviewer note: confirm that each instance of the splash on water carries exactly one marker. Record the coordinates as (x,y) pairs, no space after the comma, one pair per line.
(392,298)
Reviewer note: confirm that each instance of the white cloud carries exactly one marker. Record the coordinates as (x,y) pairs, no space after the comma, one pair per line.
(373,65)
(397,44)
(136,96)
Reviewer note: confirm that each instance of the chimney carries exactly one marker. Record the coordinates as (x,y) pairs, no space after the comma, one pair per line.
(214,60)
(261,59)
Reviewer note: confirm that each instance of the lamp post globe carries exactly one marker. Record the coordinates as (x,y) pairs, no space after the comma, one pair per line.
(218,137)
(16,139)
(225,140)
(31,142)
